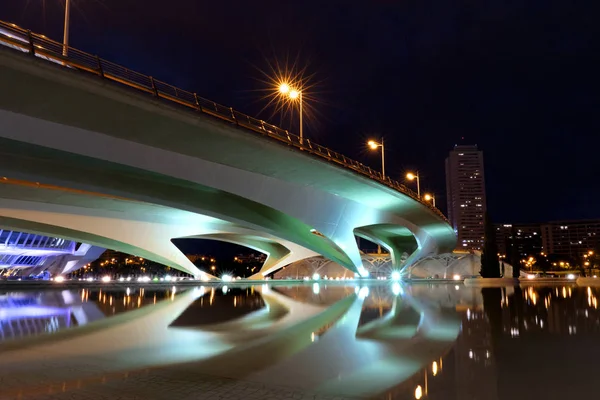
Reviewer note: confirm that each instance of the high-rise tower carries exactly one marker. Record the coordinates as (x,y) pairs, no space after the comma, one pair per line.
(465,186)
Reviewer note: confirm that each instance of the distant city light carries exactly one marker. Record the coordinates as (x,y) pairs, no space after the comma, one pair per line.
(316,277)
(226,278)
(571,276)
(456,277)
(106,278)
(59,279)
(530,276)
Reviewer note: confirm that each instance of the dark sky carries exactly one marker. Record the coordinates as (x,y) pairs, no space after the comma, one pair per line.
(518,78)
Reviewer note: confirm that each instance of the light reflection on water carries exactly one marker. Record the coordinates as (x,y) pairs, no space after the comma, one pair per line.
(511,340)
(30,313)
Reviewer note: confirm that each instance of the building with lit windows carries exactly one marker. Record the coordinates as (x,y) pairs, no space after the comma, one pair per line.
(528,238)
(571,238)
(561,238)
(465,187)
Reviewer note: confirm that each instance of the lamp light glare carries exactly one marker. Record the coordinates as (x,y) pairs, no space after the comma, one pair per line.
(284,88)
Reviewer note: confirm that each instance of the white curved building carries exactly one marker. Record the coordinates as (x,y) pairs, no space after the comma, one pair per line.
(25,254)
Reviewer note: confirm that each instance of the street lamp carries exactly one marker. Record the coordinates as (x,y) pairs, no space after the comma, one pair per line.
(66,28)
(429,197)
(293,94)
(374,146)
(411,177)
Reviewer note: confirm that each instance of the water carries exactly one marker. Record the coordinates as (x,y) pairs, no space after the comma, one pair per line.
(387,341)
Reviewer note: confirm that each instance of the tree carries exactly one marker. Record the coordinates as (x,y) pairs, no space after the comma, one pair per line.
(490,266)
(514,255)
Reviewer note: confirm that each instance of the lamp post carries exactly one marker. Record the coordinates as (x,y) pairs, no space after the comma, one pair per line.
(374,145)
(429,197)
(410,176)
(294,94)
(66,28)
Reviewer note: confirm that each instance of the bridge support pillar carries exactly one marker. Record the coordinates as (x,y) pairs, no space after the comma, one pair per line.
(145,239)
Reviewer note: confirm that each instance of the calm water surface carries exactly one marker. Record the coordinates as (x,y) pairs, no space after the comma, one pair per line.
(386,341)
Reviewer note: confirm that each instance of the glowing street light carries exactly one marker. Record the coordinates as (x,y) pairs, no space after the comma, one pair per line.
(429,197)
(66,28)
(374,146)
(411,177)
(284,88)
(294,94)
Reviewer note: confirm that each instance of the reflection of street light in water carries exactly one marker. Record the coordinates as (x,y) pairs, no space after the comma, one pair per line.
(316,289)
(418,392)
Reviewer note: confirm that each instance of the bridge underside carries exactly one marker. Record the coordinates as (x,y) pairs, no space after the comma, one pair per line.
(75,135)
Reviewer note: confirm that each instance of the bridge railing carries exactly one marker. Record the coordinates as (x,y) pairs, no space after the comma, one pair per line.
(40,46)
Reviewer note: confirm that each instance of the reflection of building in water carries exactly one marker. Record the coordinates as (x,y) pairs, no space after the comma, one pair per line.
(26,314)
(467,371)
(475,372)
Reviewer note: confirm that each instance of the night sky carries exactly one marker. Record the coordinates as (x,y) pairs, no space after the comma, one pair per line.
(518,78)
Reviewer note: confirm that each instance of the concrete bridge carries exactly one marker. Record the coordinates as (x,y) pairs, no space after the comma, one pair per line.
(91,151)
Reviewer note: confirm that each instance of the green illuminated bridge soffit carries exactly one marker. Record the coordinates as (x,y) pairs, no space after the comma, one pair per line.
(53,52)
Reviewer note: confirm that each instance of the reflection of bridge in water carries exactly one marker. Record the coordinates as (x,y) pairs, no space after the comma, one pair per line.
(347,340)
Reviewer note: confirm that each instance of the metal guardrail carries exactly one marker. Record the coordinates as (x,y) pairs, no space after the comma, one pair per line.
(42,47)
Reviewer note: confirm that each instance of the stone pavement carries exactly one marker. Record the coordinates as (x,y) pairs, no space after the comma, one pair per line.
(165,384)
